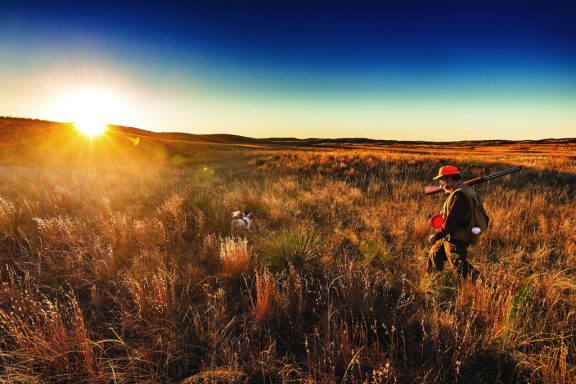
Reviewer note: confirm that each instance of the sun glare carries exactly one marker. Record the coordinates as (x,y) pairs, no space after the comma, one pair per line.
(91,128)
(90,109)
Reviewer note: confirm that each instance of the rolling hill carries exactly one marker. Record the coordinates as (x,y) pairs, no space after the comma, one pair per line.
(24,140)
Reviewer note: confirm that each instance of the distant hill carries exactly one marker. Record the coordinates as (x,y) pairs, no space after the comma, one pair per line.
(38,140)
(189,137)
(236,139)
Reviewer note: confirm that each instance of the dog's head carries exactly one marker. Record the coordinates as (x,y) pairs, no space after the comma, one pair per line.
(248,214)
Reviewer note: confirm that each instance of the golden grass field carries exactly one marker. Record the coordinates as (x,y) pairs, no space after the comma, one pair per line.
(118,265)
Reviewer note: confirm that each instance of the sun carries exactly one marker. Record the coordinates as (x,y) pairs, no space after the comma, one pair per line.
(89,109)
(91,128)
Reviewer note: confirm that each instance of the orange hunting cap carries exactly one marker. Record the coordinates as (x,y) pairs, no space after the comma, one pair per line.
(447,170)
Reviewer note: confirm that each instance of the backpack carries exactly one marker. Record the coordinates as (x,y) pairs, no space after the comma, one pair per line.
(479,218)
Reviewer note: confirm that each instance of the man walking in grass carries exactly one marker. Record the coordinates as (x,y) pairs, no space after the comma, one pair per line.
(450,242)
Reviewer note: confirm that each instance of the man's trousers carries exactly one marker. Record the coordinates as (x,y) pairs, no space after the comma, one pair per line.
(455,254)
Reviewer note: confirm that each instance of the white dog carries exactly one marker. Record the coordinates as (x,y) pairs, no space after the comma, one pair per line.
(241,221)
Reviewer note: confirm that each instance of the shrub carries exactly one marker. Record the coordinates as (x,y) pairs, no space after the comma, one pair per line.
(289,247)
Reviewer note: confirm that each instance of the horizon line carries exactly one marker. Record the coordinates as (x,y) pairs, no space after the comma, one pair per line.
(352,138)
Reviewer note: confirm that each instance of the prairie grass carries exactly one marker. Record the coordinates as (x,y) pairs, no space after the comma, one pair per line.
(127,271)
(234,256)
(265,294)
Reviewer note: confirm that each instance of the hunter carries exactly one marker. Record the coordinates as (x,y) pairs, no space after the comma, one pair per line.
(451,240)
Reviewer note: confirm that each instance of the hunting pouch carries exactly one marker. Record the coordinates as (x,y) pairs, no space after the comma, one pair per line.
(477,216)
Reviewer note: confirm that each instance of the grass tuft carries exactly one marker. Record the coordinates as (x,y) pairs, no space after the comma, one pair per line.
(287,248)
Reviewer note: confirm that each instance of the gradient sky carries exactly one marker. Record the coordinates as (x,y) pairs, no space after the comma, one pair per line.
(409,70)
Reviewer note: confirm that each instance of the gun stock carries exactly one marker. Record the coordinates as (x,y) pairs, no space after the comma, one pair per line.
(431,190)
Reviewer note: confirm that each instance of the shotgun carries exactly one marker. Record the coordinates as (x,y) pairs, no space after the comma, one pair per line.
(430,190)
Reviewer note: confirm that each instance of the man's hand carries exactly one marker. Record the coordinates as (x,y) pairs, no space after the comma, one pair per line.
(431,239)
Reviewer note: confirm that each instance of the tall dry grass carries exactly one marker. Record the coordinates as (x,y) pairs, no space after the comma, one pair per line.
(121,273)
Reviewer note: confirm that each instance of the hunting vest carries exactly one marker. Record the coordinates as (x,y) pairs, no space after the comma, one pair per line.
(462,233)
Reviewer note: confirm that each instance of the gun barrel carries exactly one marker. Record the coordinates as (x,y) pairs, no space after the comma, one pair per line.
(502,173)
(431,190)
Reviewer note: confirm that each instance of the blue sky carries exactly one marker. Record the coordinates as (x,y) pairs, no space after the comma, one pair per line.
(416,70)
